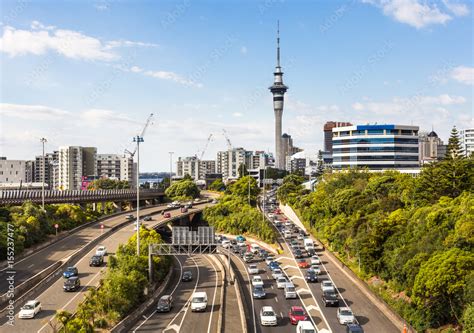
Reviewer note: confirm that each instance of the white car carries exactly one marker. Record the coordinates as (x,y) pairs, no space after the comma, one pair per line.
(345,316)
(101,251)
(315,268)
(327,285)
(253,269)
(288,224)
(271,215)
(225,243)
(268,316)
(30,309)
(257,281)
(315,260)
(281,282)
(277,273)
(305,326)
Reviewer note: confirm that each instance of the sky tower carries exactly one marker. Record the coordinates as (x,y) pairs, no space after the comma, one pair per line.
(278,90)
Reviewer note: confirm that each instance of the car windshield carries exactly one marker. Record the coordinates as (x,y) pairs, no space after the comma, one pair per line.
(346,312)
(308,331)
(298,312)
(277,271)
(28,307)
(327,283)
(187,273)
(70,269)
(268,313)
(291,289)
(257,279)
(198,300)
(163,301)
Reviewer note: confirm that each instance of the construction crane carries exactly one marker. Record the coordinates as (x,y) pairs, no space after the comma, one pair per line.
(229,144)
(148,121)
(205,147)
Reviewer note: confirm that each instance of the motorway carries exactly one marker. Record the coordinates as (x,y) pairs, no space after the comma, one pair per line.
(206,277)
(324,318)
(54,298)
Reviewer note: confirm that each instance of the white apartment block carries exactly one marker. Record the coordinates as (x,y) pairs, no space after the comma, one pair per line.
(74,163)
(187,166)
(115,166)
(467,141)
(206,167)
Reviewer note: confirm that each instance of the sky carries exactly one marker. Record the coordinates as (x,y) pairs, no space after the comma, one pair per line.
(90,73)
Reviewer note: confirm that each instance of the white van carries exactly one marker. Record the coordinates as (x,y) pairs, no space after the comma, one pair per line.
(288,234)
(199,301)
(254,248)
(290,291)
(308,243)
(305,326)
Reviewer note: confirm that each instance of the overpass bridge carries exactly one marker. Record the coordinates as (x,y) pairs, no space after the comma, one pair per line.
(17,197)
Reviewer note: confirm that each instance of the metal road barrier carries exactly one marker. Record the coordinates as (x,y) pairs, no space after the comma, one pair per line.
(76,196)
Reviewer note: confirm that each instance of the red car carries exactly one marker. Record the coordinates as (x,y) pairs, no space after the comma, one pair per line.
(296,314)
(302,263)
(277,211)
(167,215)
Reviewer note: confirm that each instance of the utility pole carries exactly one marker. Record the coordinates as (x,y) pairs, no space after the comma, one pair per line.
(43,141)
(138,139)
(171,164)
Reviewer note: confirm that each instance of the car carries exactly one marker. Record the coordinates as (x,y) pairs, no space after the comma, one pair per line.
(30,309)
(196,200)
(268,316)
(253,269)
(70,272)
(72,284)
(262,253)
(311,276)
(225,243)
(354,328)
(271,215)
(135,224)
(130,217)
(259,292)
(305,326)
(187,276)
(199,301)
(277,273)
(240,238)
(290,291)
(300,237)
(315,260)
(281,282)
(257,281)
(298,253)
(248,256)
(315,268)
(167,215)
(214,201)
(165,304)
(345,316)
(101,251)
(96,261)
(327,285)
(233,242)
(189,205)
(297,314)
(330,298)
(269,259)
(274,265)
(236,248)
(184,209)
(147,218)
(302,263)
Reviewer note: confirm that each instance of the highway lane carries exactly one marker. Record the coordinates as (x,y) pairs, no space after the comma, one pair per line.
(33,264)
(367,314)
(206,277)
(53,298)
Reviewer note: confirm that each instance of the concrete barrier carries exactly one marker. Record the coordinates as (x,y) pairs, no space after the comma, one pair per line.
(239,282)
(129,321)
(217,260)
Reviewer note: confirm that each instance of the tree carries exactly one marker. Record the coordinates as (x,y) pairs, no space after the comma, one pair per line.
(243,170)
(454,149)
(468,319)
(183,189)
(217,185)
(108,184)
(320,165)
(243,187)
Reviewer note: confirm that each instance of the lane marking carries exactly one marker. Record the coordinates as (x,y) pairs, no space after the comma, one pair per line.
(215,292)
(276,299)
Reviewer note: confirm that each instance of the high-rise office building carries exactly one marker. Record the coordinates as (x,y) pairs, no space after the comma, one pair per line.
(328,126)
(467,141)
(45,166)
(376,147)
(278,90)
(76,162)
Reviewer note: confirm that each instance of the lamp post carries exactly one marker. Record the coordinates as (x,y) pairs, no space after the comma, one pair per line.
(43,141)
(171,164)
(138,139)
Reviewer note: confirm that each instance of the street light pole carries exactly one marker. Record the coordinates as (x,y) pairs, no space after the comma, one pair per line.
(43,141)
(171,164)
(138,139)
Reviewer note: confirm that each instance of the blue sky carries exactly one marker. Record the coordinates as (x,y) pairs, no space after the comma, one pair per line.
(90,72)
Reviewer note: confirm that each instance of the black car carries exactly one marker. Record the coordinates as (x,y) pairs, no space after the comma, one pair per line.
(298,253)
(311,276)
(147,218)
(311,252)
(72,284)
(96,261)
(165,304)
(187,276)
(233,242)
(258,292)
(354,328)
(235,248)
(330,298)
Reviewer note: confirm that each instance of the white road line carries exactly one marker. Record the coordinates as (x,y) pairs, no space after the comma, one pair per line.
(176,286)
(214,298)
(276,299)
(189,300)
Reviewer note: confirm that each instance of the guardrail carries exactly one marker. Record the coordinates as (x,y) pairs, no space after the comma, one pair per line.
(75,196)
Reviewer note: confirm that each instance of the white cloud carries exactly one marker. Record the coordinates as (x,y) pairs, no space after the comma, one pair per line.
(101,117)
(71,44)
(463,74)
(31,112)
(458,9)
(237,114)
(167,75)
(416,13)
(136,69)
(358,106)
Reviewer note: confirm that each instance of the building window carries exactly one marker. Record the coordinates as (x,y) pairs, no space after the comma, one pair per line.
(375,131)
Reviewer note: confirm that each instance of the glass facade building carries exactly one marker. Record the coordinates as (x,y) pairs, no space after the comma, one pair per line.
(376,147)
